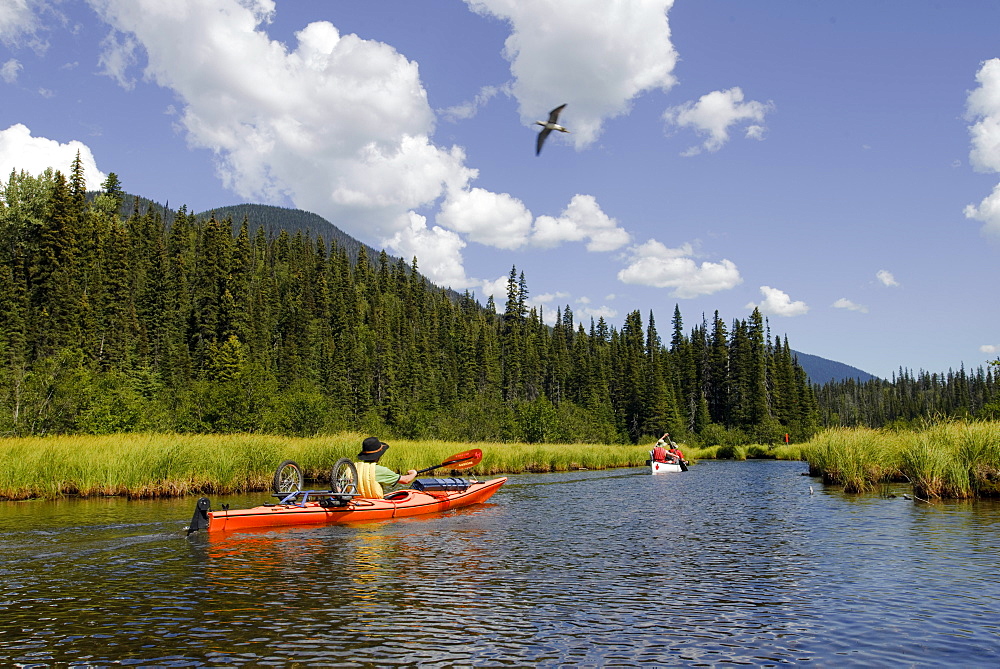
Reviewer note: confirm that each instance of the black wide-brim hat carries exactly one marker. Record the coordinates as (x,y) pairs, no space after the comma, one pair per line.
(372,449)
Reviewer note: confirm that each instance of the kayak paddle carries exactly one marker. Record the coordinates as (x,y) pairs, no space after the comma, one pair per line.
(462,460)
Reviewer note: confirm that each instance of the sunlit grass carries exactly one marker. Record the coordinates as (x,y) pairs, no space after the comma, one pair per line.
(952,460)
(159,465)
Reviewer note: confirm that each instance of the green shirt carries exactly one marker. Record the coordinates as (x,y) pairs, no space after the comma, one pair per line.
(386,476)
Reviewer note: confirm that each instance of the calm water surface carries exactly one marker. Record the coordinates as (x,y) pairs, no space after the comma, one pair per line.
(728,563)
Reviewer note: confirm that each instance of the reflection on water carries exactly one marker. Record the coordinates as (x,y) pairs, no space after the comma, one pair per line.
(727,563)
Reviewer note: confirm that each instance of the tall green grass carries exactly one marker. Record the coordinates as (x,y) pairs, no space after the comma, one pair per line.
(859,459)
(956,460)
(158,465)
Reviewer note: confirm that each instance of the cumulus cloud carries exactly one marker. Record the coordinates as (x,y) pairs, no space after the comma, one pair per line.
(989,348)
(582,220)
(715,113)
(438,251)
(497,289)
(338,125)
(983,107)
(987,212)
(778,303)
(10,70)
(886,278)
(20,151)
(493,219)
(844,303)
(654,264)
(503,221)
(596,56)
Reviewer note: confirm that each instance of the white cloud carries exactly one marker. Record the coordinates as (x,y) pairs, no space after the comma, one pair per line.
(988,212)
(547,298)
(582,219)
(983,107)
(596,56)
(844,303)
(338,125)
(886,278)
(777,303)
(546,304)
(467,110)
(116,57)
(20,151)
(494,219)
(438,252)
(17,20)
(603,311)
(715,113)
(653,264)
(503,221)
(989,348)
(10,70)
(497,289)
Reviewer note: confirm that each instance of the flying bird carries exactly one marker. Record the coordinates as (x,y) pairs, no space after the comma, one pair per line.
(549,126)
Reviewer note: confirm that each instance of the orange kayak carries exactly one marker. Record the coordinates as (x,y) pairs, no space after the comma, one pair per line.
(324,510)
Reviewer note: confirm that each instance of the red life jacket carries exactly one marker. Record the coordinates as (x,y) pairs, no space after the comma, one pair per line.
(660,454)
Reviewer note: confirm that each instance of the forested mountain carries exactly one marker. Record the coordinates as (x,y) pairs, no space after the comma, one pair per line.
(275,219)
(169,321)
(122,323)
(821,370)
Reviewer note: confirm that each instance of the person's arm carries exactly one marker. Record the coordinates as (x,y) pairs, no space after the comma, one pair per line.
(408,477)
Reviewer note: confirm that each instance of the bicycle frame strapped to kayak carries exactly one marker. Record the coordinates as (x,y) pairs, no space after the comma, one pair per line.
(326,498)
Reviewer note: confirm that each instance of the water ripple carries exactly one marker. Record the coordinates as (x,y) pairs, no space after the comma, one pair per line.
(729,563)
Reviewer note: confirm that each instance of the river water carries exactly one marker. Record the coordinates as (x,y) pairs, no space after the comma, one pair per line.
(729,563)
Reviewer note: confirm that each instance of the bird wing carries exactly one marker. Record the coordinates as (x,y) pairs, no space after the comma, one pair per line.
(554,114)
(541,138)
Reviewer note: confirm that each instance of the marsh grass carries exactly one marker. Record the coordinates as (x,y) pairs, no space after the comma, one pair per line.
(164,465)
(955,460)
(860,459)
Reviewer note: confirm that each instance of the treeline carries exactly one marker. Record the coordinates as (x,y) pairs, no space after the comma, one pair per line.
(112,323)
(911,400)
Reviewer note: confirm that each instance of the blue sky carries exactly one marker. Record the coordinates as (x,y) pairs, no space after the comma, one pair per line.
(833,162)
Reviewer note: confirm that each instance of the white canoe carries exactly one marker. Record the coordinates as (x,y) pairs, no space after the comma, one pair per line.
(664,467)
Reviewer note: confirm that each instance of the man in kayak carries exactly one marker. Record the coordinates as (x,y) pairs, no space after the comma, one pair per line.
(372,476)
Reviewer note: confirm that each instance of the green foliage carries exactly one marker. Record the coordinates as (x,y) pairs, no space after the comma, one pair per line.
(908,399)
(121,316)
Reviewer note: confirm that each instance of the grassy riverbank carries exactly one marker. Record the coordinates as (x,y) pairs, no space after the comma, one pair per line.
(163,465)
(958,460)
(949,460)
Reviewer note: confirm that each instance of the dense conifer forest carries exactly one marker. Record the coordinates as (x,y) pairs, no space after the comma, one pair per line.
(147,322)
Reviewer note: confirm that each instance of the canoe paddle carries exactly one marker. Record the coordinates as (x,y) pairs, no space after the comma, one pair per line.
(462,460)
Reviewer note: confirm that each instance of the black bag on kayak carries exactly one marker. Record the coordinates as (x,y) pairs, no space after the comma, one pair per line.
(433,485)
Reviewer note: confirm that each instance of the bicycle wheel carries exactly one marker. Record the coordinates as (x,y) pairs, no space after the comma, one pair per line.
(288,477)
(344,477)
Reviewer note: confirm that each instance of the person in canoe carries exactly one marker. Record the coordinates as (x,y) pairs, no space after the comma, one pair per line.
(661,452)
(371,475)
(676,452)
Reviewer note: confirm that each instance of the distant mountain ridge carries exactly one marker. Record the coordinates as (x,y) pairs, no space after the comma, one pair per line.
(274,219)
(821,370)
